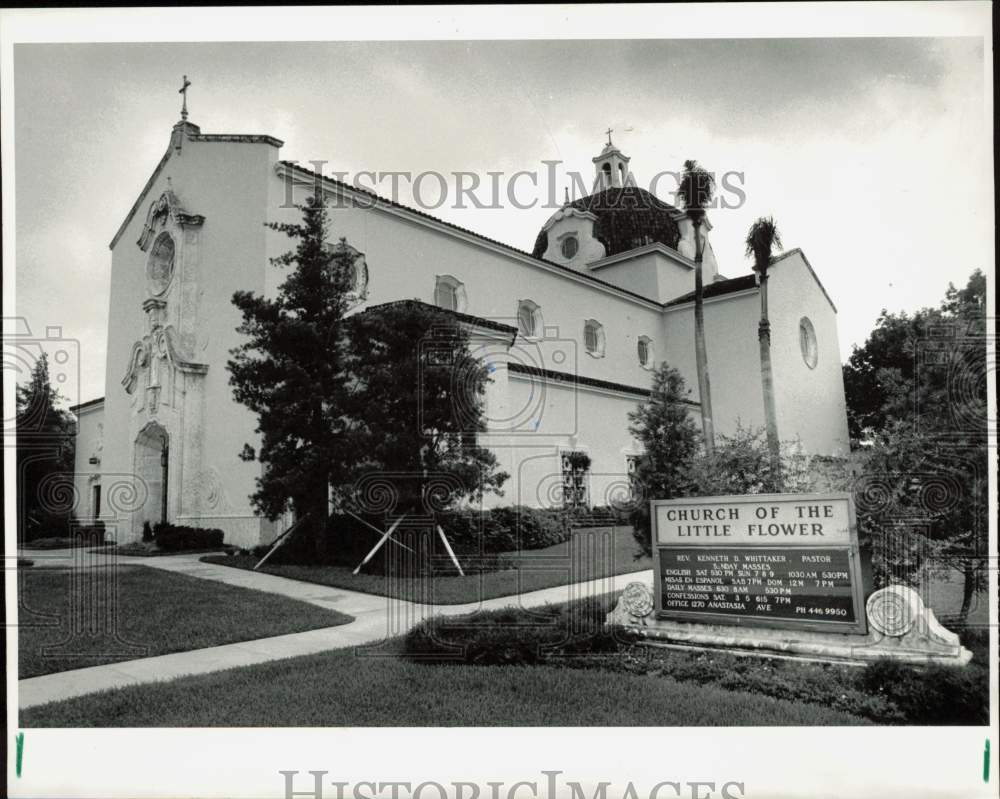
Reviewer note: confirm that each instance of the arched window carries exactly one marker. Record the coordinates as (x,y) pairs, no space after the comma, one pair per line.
(807,342)
(449,293)
(570,247)
(621,173)
(645,352)
(529,319)
(607,174)
(593,338)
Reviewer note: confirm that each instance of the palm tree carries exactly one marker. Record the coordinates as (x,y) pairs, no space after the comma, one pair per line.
(762,238)
(695,192)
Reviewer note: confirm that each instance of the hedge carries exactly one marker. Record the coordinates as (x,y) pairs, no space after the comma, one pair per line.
(514,636)
(174,537)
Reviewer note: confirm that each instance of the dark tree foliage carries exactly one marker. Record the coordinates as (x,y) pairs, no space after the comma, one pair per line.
(696,189)
(416,407)
(45,442)
(898,376)
(917,391)
(356,410)
(290,371)
(670,438)
(762,238)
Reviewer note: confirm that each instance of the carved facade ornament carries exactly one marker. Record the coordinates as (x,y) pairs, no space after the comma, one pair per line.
(637,599)
(166,209)
(359,266)
(154,362)
(894,610)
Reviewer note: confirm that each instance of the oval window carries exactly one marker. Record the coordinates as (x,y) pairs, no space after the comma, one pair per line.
(807,342)
(570,247)
(160,269)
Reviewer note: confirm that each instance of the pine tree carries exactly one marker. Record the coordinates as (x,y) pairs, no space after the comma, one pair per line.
(290,372)
(45,439)
(669,436)
(416,408)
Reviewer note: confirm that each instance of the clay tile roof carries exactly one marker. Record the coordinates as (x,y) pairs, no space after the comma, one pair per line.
(627,218)
(718,288)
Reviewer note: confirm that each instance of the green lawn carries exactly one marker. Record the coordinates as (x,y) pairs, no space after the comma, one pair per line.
(94,616)
(341,688)
(562,564)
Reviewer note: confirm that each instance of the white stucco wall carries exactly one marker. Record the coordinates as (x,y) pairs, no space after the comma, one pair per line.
(733,356)
(227,183)
(809,401)
(583,418)
(88,444)
(648,271)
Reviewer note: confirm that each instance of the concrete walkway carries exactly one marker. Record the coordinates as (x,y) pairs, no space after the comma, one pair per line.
(376,619)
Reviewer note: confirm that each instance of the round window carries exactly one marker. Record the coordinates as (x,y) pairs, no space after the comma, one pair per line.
(807,342)
(570,246)
(160,269)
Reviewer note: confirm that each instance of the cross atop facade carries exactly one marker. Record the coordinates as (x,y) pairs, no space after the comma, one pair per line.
(184,90)
(609,131)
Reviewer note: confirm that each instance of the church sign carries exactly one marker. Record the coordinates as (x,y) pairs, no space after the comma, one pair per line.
(776,560)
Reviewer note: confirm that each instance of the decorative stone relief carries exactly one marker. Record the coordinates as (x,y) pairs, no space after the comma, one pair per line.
(163,211)
(637,599)
(213,492)
(901,627)
(893,610)
(155,361)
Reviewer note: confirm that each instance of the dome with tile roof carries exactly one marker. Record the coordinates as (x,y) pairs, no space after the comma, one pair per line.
(625,217)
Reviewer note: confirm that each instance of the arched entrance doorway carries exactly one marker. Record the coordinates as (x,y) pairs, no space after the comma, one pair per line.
(152,448)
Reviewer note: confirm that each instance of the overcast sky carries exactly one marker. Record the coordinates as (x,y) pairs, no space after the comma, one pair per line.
(871,154)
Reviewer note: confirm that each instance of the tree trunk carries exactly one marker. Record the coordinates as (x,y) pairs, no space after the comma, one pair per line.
(700,354)
(767,382)
(968,591)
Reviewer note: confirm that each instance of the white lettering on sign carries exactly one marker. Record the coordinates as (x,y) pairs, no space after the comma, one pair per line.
(748,521)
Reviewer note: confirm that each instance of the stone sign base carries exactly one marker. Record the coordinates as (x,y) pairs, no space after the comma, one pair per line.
(900,626)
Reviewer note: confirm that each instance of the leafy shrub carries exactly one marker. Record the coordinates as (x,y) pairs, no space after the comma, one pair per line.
(175,537)
(741,464)
(513,636)
(83,536)
(932,694)
(477,538)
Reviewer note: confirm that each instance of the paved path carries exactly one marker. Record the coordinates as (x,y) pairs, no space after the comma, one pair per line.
(376,618)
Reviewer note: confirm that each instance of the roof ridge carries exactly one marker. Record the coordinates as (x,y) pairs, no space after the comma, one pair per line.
(480,236)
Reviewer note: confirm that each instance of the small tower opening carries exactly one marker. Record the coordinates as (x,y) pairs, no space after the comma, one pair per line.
(611,167)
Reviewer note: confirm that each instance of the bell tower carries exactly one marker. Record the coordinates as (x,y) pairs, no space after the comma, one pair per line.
(611,167)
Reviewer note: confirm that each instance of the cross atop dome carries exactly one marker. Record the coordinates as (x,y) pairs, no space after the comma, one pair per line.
(611,166)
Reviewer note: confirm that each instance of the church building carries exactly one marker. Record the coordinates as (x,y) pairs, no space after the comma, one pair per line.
(571,331)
